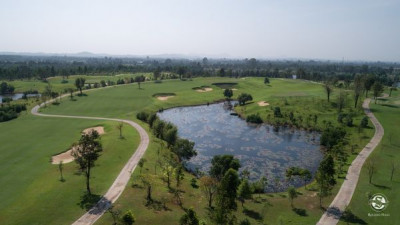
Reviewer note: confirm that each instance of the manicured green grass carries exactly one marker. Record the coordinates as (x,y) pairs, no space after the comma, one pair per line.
(31,192)
(58,86)
(387,112)
(302,97)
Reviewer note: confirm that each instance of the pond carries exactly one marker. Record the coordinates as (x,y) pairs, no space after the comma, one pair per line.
(17,96)
(261,149)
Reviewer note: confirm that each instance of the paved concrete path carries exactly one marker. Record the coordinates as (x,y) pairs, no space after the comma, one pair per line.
(121,181)
(343,197)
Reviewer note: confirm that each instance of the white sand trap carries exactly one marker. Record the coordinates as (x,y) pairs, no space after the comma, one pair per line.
(204,90)
(99,130)
(263,103)
(234,89)
(66,157)
(164,98)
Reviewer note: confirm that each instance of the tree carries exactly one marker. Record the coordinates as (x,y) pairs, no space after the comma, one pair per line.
(260,185)
(228,93)
(168,170)
(170,136)
(147,182)
(305,174)
(86,152)
(179,175)
(139,80)
(227,191)
(60,168)
(141,163)
(328,89)
(358,89)
(377,88)
(243,98)
(325,177)
(266,80)
(392,89)
(157,73)
(220,164)
(244,191)
(119,127)
(181,71)
(209,186)
(189,218)
(292,193)
(71,92)
(128,218)
(341,101)
(184,149)
(80,83)
(368,83)
(371,169)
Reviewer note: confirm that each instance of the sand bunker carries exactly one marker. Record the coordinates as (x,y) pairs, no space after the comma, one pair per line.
(66,157)
(164,98)
(204,89)
(99,130)
(234,89)
(263,103)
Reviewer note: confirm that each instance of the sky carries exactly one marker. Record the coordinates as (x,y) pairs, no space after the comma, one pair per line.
(307,29)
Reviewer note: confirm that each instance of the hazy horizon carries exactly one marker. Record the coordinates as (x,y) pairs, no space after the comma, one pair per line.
(350,30)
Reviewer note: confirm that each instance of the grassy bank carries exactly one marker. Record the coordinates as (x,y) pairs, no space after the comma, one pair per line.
(387,111)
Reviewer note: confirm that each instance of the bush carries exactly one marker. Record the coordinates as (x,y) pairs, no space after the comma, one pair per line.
(331,136)
(243,98)
(364,122)
(142,116)
(6,99)
(128,218)
(254,118)
(349,120)
(277,112)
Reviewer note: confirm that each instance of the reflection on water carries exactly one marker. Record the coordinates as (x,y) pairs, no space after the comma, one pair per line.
(262,150)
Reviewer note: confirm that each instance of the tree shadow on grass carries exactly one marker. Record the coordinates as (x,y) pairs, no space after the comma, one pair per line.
(87,201)
(253,214)
(382,186)
(82,95)
(300,212)
(349,217)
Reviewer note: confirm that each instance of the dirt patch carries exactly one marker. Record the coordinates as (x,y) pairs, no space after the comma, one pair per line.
(164,98)
(263,103)
(204,90)
(66,157)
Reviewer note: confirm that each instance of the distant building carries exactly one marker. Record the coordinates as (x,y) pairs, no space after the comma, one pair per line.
(294,76)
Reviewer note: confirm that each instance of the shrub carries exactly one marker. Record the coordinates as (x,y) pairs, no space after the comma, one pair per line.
(254,118)
(277,112)
(142,116)
(128,218)
(331,136)
(364,122)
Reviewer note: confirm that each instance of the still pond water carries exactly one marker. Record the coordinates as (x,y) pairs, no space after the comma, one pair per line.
(262,150)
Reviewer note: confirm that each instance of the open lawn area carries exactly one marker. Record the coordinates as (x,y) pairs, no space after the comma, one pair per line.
(32,184)
(384,157)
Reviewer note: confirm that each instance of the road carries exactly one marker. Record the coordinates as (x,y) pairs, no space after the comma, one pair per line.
(121,181)
(343,197)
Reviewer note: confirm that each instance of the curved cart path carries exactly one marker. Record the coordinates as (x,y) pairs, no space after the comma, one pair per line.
(121,181)
(343,197)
